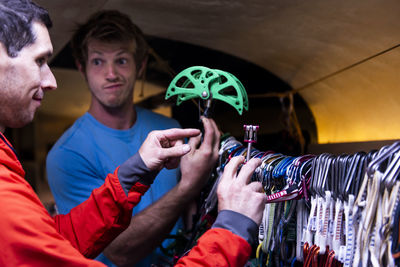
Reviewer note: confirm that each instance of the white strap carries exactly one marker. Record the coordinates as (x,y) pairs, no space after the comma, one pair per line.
(360,213)
(319,221)
(331,230)
(311,225)
(325,220)
(348,211)
(338,230)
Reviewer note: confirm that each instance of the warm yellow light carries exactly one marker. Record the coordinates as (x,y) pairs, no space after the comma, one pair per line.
(360,104)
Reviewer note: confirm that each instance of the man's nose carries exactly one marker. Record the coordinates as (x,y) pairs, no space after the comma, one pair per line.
(111,72)
(48,80)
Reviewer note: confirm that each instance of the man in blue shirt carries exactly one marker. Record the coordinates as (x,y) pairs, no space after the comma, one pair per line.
(111,52)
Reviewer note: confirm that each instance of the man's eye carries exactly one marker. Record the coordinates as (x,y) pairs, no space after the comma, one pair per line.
(122,61)
(96,61)
(41,61)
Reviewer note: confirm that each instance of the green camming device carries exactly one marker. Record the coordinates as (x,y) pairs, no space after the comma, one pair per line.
(208,84)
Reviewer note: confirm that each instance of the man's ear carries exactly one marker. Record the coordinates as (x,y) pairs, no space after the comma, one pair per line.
(142,68)
(80,68)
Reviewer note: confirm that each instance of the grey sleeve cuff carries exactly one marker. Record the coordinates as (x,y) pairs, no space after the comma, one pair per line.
(238,224)
(135,170)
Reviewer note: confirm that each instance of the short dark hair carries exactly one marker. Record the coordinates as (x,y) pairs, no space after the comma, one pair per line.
(108,26)
(16,18)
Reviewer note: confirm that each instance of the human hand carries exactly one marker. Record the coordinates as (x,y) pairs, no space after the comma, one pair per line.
(236,193)
(165,148)
(197,165)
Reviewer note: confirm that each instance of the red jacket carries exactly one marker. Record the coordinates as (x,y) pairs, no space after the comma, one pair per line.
(218,247)
(29,236)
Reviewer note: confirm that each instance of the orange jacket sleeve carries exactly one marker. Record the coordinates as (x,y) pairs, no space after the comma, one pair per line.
(228,243)
(93,224)
(29,236)
(218,247)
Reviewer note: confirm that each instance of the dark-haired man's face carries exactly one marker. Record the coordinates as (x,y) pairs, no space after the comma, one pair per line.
(24,79)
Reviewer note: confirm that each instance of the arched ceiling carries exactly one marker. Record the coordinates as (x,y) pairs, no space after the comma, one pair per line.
(342,57)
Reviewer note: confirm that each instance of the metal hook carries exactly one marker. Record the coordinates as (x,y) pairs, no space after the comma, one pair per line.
(382,156)
(250,137)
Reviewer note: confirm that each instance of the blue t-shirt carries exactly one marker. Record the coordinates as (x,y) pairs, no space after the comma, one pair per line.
(83,156)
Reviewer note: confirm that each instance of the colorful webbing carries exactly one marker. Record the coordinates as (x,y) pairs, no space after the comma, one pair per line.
(354,204)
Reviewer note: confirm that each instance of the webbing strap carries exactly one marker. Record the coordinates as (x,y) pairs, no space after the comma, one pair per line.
(319,221)
(308,236)
(337,226)
(372,200)
(348,211)
(330,231)
(360,213)
(267,240)
(325,221)
(388,204)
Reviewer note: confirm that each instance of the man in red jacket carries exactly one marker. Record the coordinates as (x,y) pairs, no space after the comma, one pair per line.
(29,236)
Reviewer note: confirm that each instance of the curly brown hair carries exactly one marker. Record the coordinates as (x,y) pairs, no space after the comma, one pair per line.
(108,26)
